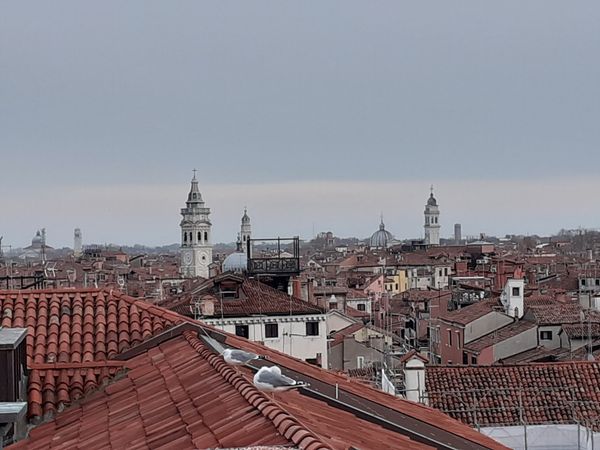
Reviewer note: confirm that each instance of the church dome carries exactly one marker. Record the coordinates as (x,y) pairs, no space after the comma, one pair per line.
(237,262)
(37,240)
(381,237)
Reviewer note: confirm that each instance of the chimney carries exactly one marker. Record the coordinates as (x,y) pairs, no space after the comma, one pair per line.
(311,290)
(207,307)
(13,388)
(590,255)
(512,298)
(414,378)
(297,288)
(531,278)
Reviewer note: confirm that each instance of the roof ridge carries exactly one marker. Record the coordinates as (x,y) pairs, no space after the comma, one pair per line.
(76,365)
(513,365)
(49,290)
(288,425)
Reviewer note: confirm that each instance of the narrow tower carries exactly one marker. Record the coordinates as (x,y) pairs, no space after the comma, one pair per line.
(196,247)
(432,224)
(77,243)
(245,231)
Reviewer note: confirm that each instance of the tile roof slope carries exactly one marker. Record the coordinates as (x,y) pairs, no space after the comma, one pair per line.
(470,313)
(259,298)
(538,354)
(549,392)
(421,414)
(80,325)
(556,314)
(511,330)
(339,336)
(417,411)
(181,395)
(173,396)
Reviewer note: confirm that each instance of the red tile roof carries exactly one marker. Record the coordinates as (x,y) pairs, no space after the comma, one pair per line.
(470,313)
(172,391)
(79,325)
(339,336)
(490,396)
(255,298)
(556,314)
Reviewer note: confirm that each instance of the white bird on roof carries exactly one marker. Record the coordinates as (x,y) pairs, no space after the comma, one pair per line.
(237,357)
(271,379)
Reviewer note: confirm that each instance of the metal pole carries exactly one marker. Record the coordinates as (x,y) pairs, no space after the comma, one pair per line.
(521,417)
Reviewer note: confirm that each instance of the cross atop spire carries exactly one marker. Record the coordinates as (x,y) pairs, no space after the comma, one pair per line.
(194,170)
(431,189)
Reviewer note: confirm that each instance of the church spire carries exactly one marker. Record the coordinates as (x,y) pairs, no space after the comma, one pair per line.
(194,197)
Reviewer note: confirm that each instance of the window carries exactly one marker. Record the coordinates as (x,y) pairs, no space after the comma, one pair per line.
(199,236)
(546,335)
(242,331)
(360,362)
(206,236)
(465,358)
(516,291)
(597,281)
(583,282)
(450,338)
(445,271)
(473,359)
(312,328)
(271,330)
(361,307)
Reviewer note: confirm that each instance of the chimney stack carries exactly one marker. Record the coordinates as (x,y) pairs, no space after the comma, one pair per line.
(207,307)
(13,384)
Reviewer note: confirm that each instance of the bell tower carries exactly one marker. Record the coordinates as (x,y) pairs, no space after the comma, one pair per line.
(432,221)
(196,247)
(245,231)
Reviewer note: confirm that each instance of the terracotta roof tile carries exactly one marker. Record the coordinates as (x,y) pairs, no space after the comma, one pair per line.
(490,396)
(74,326)
(178,391)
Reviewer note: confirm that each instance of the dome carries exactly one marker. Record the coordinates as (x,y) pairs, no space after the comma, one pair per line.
(431,201)
(381,237)
(236,262)
(37,239)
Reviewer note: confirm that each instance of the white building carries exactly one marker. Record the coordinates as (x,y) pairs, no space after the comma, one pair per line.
(255,311)
(196,247)
(432,221)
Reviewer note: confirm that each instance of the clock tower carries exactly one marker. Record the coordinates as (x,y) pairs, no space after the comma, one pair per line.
(196,247)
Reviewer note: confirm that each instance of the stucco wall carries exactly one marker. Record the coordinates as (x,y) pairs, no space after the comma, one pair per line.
(291,339)
(486,324)
(516,344)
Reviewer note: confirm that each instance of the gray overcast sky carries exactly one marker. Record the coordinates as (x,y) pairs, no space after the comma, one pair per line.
(348,108)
